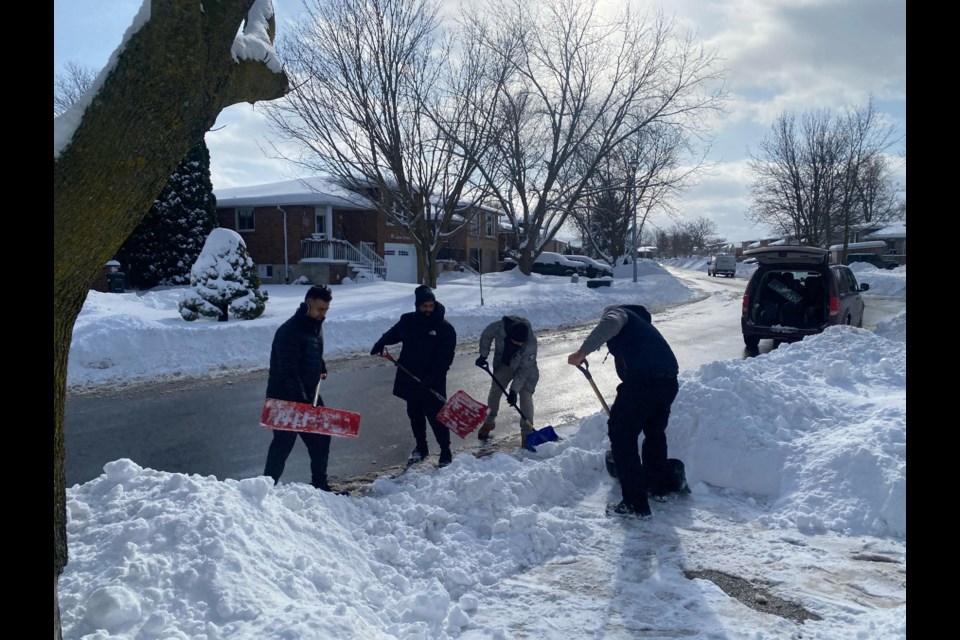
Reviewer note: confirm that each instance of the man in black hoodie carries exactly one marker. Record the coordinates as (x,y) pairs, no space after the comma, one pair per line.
(296,368)
(648,372)
(429,343)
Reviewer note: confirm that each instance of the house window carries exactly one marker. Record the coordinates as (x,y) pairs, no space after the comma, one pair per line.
(489,222)
(265,270)
(245,219)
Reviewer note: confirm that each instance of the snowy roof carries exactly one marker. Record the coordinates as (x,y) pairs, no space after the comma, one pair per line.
(306,191)
(895,230)
(875,244)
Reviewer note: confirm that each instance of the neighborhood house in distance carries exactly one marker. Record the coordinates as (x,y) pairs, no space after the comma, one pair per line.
(317,230)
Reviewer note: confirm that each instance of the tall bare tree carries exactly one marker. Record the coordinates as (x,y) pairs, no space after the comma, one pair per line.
(639,178)
(863,176)
(810,178)
(702,233)
(69,86)
(390,108)
(113,154)
(580,85)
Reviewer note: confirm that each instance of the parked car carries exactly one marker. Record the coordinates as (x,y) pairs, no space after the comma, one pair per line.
(594,268)
(873,258)
(795,292)
(549,263)
(722,264)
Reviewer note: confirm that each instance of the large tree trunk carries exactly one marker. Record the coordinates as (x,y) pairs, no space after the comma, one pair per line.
(168,85)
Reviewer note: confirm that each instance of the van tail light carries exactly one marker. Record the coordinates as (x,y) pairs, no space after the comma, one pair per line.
(834,305)
(746,305)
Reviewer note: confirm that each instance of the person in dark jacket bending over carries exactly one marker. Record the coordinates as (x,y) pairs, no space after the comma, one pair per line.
(429,343)
(296,368)
(648,372)
(514,359)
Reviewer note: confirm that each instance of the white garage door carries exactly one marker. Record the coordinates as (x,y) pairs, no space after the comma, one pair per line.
(401,262)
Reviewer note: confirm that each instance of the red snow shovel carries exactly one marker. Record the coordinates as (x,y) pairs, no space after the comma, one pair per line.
(461,413)
(536,436)
(285,415)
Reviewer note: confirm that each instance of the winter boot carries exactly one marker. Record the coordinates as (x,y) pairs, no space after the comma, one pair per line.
(640,510)
(484,433)
(416,456)
(446,457)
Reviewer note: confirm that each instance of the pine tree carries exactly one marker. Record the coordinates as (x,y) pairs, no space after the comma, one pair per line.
(169,238)
(224,278)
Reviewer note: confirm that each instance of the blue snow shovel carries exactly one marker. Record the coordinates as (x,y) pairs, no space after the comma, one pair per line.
(536,436)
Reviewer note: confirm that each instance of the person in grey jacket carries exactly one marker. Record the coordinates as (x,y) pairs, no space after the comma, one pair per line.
(514,363)
(648,372)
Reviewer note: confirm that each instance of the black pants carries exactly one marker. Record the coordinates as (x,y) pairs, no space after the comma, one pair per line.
(421,409)
(641,407)
(318,446)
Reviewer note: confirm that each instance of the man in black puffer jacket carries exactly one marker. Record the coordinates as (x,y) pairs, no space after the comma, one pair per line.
(648,372)
(429,343)
(296,368)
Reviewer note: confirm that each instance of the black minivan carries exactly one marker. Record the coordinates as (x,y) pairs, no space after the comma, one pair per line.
(796,292)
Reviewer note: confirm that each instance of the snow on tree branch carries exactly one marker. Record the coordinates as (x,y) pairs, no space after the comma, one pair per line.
(256,41)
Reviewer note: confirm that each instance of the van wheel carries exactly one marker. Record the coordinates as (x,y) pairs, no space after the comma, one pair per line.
(752,342)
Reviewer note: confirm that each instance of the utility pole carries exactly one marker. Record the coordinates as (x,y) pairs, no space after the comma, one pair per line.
(633,212)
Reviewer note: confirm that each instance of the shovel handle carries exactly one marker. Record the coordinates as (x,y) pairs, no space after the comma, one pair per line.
(486,367)
(584,367)
(316,394)
(386,354)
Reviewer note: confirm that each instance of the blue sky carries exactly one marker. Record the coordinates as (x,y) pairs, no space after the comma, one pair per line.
(780,55)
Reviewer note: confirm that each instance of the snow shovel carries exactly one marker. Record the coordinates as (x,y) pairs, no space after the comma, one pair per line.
(675,467)
(535,437)
(285,415)
(461,413)
(608,457)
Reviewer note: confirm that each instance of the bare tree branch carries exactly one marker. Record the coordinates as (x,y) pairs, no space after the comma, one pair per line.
(579,87)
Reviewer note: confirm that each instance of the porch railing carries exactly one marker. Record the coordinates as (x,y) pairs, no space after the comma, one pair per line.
(336,250)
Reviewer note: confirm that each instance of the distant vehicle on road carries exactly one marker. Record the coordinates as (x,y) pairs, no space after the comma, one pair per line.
(722,264)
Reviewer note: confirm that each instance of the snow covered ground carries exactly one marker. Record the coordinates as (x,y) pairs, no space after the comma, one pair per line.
(796,527)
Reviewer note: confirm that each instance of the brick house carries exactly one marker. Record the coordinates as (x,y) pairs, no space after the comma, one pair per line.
(319,230)
(475,245)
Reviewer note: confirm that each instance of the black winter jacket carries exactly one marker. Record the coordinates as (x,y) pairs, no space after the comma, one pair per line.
(296,359)
(639,351)
(429,343)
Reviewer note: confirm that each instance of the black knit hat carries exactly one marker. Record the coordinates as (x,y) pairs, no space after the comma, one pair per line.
(422,294)
(518,331)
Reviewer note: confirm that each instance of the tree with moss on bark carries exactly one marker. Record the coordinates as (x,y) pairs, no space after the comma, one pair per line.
(179,66)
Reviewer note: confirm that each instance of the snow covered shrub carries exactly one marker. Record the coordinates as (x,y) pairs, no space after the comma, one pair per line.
(223,279)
